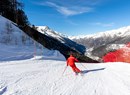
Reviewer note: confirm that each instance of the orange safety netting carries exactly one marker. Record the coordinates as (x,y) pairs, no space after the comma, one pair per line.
(121,55)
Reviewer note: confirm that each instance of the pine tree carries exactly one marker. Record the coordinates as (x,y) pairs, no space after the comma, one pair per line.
(13,10)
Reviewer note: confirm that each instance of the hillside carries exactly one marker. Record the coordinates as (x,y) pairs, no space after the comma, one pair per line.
(61,38)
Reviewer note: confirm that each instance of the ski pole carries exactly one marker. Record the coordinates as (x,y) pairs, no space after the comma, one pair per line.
(64,70)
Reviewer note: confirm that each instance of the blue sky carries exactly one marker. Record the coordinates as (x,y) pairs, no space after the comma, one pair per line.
(78,17)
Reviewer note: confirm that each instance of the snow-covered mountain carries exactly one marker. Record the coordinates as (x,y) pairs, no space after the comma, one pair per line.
(49,32)
(101,43)
(117,36)
(60,37)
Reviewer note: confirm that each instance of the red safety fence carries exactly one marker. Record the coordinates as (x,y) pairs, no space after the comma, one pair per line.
(120,55)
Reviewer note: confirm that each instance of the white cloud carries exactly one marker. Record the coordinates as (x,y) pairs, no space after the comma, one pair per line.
(68,11)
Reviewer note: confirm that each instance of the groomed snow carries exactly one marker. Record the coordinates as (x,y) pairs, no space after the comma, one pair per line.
(38,76)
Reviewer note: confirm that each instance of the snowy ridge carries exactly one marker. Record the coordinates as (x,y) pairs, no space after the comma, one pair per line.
(65,41)
(47,31)
(106,37)
(118,32)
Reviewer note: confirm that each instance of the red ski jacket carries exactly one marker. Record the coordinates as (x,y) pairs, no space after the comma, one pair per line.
(71,61)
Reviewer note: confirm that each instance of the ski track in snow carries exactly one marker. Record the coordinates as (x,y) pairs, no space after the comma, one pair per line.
(44,77)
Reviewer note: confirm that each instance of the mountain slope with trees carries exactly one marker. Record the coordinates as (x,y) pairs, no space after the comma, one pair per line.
(13,10)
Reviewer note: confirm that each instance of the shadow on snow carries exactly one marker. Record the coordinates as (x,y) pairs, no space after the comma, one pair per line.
(93,70)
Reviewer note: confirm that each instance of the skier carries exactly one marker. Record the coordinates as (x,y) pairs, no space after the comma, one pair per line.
(71,62)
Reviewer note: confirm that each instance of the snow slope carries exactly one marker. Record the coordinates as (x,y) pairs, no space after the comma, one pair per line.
(23,74)
(16,45)
(44,77)
(12,35)
(16,52)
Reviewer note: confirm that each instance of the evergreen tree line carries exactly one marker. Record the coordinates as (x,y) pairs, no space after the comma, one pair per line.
(13,10)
